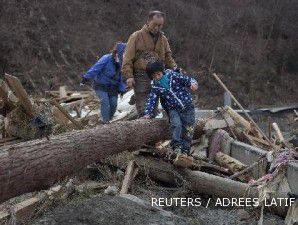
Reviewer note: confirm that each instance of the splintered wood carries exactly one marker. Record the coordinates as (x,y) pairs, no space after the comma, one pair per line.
(66,114)
(15,105)
(17,88)
(209,168)
(244,129)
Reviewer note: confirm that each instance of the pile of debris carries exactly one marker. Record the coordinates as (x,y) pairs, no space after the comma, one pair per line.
(25,118)
(211,169)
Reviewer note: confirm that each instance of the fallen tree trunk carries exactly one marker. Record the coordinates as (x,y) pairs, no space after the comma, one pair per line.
(38,164)
(196,180)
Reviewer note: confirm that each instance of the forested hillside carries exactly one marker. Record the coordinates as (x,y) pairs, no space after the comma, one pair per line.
(252,43)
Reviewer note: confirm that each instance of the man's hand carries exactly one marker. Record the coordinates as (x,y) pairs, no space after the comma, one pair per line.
(146,117)
(83,81)
(194,87)
(179,70)
(130,82)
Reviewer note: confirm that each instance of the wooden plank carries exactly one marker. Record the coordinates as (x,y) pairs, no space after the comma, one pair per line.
(25,209)
(74,97)
(4,217)
(7,139)
(3,91)
(255,126)
(62,92)
(258,140)
(19,91)
(8,98)
(296,113)
(77,124)
(213,124)
(22,211)
(128,178)
(278,133)
(59,116)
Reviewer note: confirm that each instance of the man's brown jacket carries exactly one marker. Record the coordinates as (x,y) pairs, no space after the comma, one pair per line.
(141,49)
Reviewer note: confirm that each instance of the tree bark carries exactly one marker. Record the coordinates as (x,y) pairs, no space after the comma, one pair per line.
(38,164)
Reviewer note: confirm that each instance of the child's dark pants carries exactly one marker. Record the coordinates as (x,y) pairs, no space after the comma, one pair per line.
(182,127)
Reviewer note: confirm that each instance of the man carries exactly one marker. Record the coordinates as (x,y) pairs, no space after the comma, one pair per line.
(146,45)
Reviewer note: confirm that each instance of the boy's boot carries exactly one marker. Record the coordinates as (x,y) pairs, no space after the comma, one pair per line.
(173,154)
(183,160)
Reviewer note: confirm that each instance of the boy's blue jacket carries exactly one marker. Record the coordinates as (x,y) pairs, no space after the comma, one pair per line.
(106,72)
(176,97)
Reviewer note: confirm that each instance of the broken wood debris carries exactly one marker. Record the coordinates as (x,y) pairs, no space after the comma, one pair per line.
(66,114)
(209,175)
(29,118)
(130,173)
(232,164)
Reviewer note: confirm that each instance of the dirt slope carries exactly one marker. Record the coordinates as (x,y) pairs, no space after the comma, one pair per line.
(254,44)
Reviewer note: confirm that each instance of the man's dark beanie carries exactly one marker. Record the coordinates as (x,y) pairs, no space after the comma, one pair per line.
(152,67)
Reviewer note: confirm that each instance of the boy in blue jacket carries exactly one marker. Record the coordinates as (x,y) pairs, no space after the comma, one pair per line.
(172,89)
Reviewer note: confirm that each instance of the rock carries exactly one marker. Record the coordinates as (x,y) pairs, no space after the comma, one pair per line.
(112,210)
(111,190)
(270,222)
(243,215)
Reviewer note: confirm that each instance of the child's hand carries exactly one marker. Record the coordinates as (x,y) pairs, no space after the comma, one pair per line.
(194,87)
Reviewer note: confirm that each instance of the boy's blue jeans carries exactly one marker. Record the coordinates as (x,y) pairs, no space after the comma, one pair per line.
(182,127)
(108,102)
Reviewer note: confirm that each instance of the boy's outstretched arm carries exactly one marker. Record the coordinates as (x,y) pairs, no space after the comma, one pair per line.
(187,81)
(150,104)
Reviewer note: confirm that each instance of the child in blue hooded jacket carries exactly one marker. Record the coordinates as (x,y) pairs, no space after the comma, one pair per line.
(172,89)
(107,80)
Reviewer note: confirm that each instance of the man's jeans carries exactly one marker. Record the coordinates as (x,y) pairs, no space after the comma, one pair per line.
(182,127)
(108,102)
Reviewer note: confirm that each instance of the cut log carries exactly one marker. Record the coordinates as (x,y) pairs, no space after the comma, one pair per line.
(249,168)
(232,164)
(239,120)
(38,164)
